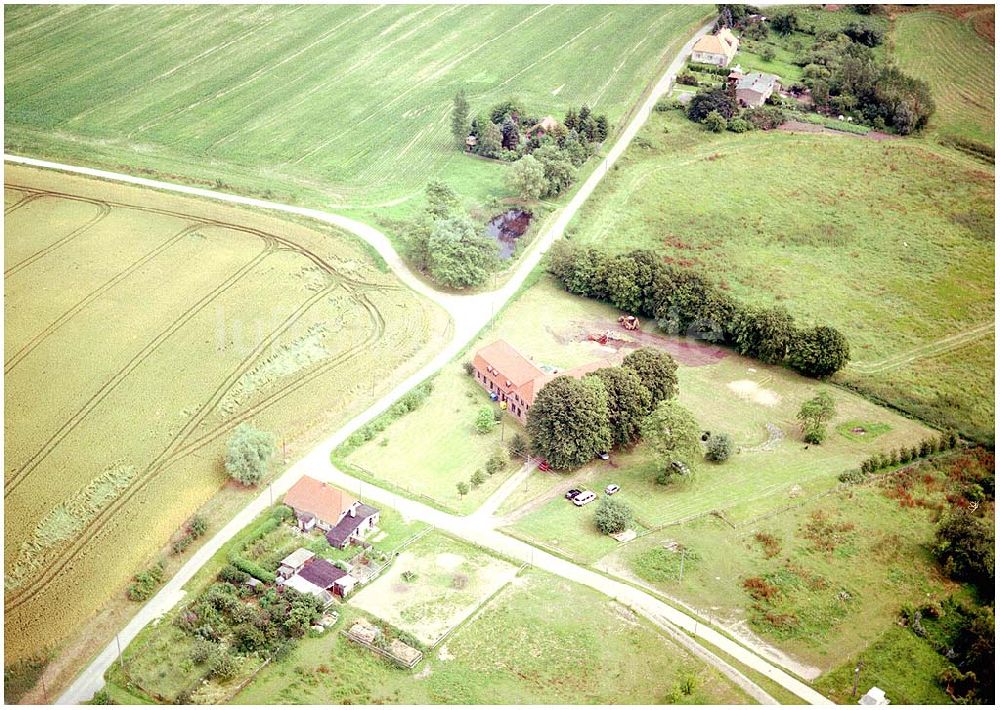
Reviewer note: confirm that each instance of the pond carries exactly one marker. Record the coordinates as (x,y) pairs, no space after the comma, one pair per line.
(506,228)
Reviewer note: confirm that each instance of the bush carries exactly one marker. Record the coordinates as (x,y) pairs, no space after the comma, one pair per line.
(495,463)
(518,445)
(202,651)
(198,526)
(719,447)
(965,549)
(764,118)
(852,476)
(739,125)
(144,583)
(477,479)
(232,575)
(251,568)
(224,666)
(612,516)
(818,352)
(485,420)
(468,367)
(687,79)
(182,544)
(715,122)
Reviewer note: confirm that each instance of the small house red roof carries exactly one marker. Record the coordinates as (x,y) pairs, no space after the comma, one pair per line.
(320,499)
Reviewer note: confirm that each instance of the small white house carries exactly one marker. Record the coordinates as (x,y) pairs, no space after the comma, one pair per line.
(875,696)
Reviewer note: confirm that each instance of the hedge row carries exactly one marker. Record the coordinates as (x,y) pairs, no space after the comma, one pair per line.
(685,303)
(899,457)
(406,404)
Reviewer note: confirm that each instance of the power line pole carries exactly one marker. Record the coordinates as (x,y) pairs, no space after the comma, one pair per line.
(121,661)
(857,677)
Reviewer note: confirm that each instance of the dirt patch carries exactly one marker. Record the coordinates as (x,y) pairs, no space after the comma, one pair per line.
(688,352)
(444,655)
(753,392)
(803,127)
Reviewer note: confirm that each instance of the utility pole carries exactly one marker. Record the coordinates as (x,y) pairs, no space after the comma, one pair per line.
(270,490)
(121,661)
(857,677)
(501,428)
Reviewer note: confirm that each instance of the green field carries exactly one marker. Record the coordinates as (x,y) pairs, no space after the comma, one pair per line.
(335,106)
(427,452)
(958,63)
(531,643)
(126,369)
(891,242)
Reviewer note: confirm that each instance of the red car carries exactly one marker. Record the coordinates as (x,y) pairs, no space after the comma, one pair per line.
(544,466)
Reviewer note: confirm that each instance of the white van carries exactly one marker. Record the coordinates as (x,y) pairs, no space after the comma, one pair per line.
(584,498)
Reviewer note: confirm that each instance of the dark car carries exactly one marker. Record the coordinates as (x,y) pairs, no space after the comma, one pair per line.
(572,493)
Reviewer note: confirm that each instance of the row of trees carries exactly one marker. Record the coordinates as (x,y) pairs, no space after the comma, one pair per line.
(683,302)
(444,242)
(574,419)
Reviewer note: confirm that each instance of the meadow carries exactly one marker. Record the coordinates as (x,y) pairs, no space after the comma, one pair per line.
(946,48)
(828,578)
(539,640)
(125,370)
(889,241)
(334,106)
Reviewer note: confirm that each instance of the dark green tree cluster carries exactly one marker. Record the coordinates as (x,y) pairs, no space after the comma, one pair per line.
(613,516)
(683,302)
(572,419)
(509,132)
(447,245)
(965,549)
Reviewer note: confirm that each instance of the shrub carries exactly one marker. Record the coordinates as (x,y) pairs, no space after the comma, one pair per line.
(232,575)
(202,651)
(477,479)
(182,544)
(612,516)
(759,589)
(224,666)
(144,583)
(764,118)
(719,447)
(251,568)
(518,445)
(198,526)
(739,125)
(468,367)
(852,476)
(495,463)
(687,79)
(715,122)
(409,576)
(485,420)
(965,549)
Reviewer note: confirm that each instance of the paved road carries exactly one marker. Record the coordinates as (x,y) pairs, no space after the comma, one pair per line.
(469,313)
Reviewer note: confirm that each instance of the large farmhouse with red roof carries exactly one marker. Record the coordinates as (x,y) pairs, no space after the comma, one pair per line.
(515,380)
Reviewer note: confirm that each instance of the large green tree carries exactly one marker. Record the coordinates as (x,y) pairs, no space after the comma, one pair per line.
(459,254)
(672,432)
(656,370)
(527,178)
(568,423)
(490,141)
(249,454)
(613,516)
(763,333)
(819,351)
(460,119)
(559,171)
(629,403)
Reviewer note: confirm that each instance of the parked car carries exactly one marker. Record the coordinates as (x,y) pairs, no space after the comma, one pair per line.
(612,489)
(544,466)
(603,455)
(680,467)
(584,498)
(573,493)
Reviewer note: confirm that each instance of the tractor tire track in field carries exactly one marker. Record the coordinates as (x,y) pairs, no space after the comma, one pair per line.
(80,305)
(921,352)
(103,211)
(29,196)
(262,71)
(108,387)
(178,446)
(88,534)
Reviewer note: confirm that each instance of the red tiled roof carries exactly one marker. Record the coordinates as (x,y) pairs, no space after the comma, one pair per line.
(323,501)
(509,370)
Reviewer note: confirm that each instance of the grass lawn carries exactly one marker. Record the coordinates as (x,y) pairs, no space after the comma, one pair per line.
(530,644)
(891,242)
(841,567)
(898,662)
(944,49)
(428,451)
(334,106)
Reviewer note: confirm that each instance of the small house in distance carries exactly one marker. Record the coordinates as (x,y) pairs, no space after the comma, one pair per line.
(753,89)
(294,563)
(337,513)
(718,49)
(546,125)
(318,577)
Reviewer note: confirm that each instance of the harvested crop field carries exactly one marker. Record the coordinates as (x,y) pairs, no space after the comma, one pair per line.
(140,329)
(433,586)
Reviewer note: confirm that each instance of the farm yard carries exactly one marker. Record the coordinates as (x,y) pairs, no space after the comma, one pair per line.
(346,106)
(891,242)
(114,435)
(528,644)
